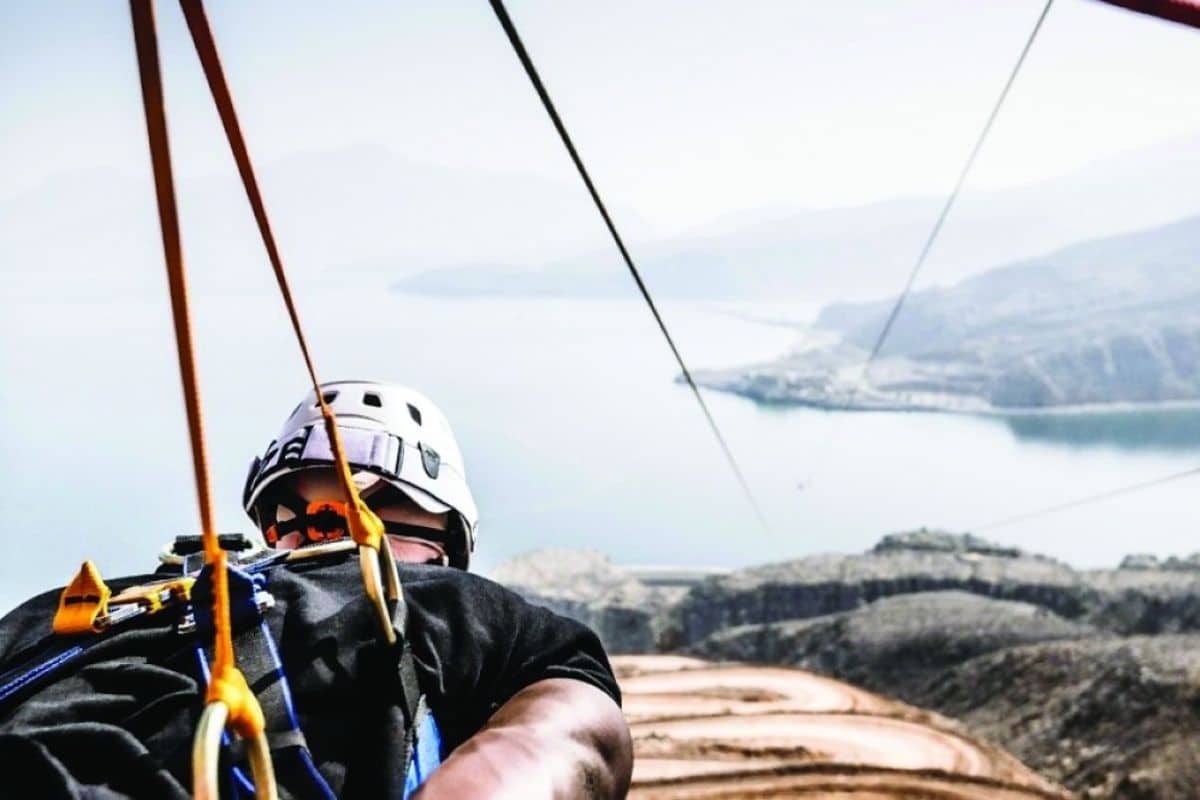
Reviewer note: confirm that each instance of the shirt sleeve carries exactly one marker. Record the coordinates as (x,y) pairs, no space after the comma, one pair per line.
(477,644)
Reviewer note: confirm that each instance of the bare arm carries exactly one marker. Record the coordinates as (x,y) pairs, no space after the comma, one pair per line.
(557,738)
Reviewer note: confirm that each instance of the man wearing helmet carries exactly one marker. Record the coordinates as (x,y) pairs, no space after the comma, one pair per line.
(405,457)
(556,736)
(522,702)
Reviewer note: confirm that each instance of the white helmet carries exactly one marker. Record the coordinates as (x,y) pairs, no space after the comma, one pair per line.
(389,432)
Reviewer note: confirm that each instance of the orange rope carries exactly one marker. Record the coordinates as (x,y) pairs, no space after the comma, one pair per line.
(365,526)
(228,685)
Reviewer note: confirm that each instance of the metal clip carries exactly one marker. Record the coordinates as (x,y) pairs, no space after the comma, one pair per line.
(206,757)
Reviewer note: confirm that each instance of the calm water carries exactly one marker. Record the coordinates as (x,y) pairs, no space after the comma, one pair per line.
(574,432)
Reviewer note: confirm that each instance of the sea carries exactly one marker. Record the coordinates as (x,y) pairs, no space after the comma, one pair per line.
(575,432)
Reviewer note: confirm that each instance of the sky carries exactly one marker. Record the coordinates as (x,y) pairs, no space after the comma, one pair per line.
(687,112)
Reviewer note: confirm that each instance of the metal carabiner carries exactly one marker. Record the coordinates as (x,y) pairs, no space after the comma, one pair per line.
(381,582)
(206,757)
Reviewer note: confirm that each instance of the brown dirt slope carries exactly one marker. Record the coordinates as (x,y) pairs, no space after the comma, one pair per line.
(704,730)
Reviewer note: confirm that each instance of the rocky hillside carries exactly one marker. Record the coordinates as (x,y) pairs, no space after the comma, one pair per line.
(1109,717)
(1090,676)
(1114,320)
(587,586)
(1122,601)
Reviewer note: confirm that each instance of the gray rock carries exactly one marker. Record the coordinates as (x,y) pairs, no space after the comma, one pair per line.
(587,586)
(896,644)
(828,584)
(1112,718)
(1188,564)
(1140,561)
(1124,601)
(943,542)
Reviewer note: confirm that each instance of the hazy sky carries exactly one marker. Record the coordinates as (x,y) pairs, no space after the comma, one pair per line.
(686,110)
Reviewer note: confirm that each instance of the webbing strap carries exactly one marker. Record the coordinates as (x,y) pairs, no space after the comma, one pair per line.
(14,683)
(365,527)
(297,774)
(228,686)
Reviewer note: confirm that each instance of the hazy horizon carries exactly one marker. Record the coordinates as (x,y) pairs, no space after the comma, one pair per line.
(392,138)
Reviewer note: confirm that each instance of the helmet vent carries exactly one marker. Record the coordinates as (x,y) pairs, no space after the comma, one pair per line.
(372,399)
(415,413)
(328,397)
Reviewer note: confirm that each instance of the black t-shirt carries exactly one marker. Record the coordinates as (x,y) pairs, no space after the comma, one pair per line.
(118,721)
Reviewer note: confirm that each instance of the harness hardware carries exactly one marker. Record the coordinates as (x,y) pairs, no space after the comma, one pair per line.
(83,602)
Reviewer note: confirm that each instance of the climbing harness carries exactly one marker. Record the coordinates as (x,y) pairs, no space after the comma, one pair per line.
(188,600)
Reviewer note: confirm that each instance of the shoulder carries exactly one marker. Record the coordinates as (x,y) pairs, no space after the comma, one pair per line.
(31,623)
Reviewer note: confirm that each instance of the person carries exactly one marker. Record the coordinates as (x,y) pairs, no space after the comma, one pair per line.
(523,702)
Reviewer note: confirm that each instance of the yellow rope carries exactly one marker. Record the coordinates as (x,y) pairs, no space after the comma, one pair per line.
(228,685)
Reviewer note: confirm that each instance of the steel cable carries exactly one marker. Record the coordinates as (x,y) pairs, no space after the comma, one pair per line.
(1085,501)
(863,371)
(531,71)
(953,197)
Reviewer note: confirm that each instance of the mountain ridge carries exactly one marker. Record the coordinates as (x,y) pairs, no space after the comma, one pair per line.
(861,251)
(1106,322)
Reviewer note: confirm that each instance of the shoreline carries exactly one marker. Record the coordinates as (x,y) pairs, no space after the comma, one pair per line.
(981,410)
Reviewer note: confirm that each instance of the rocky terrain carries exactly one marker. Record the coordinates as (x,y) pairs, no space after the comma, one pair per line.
(1090,676)
(1107,321)
(587,586)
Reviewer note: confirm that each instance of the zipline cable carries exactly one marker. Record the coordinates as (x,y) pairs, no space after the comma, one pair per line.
(1085,501)
(953,197)
(531,71)
(863,370)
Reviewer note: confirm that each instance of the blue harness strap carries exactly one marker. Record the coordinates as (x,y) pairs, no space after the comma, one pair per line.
(15,681)
(258,658)
(426,752)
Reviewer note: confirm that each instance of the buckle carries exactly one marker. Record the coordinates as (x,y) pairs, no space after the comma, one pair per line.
(146,599)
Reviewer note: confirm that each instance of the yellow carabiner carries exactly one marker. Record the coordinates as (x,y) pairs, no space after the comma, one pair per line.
(376,565)
(206,757)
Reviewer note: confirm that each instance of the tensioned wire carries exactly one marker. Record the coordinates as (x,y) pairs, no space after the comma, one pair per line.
(935,232)
(1090,499)
(531,71)
(923,256)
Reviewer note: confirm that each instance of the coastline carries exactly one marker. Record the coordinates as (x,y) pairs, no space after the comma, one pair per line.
(933,403)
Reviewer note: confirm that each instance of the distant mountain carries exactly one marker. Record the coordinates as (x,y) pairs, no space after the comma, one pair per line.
(1113,320)
(360,212)
(855,253)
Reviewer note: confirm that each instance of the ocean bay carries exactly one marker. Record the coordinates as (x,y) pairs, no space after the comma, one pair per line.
(575,435)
